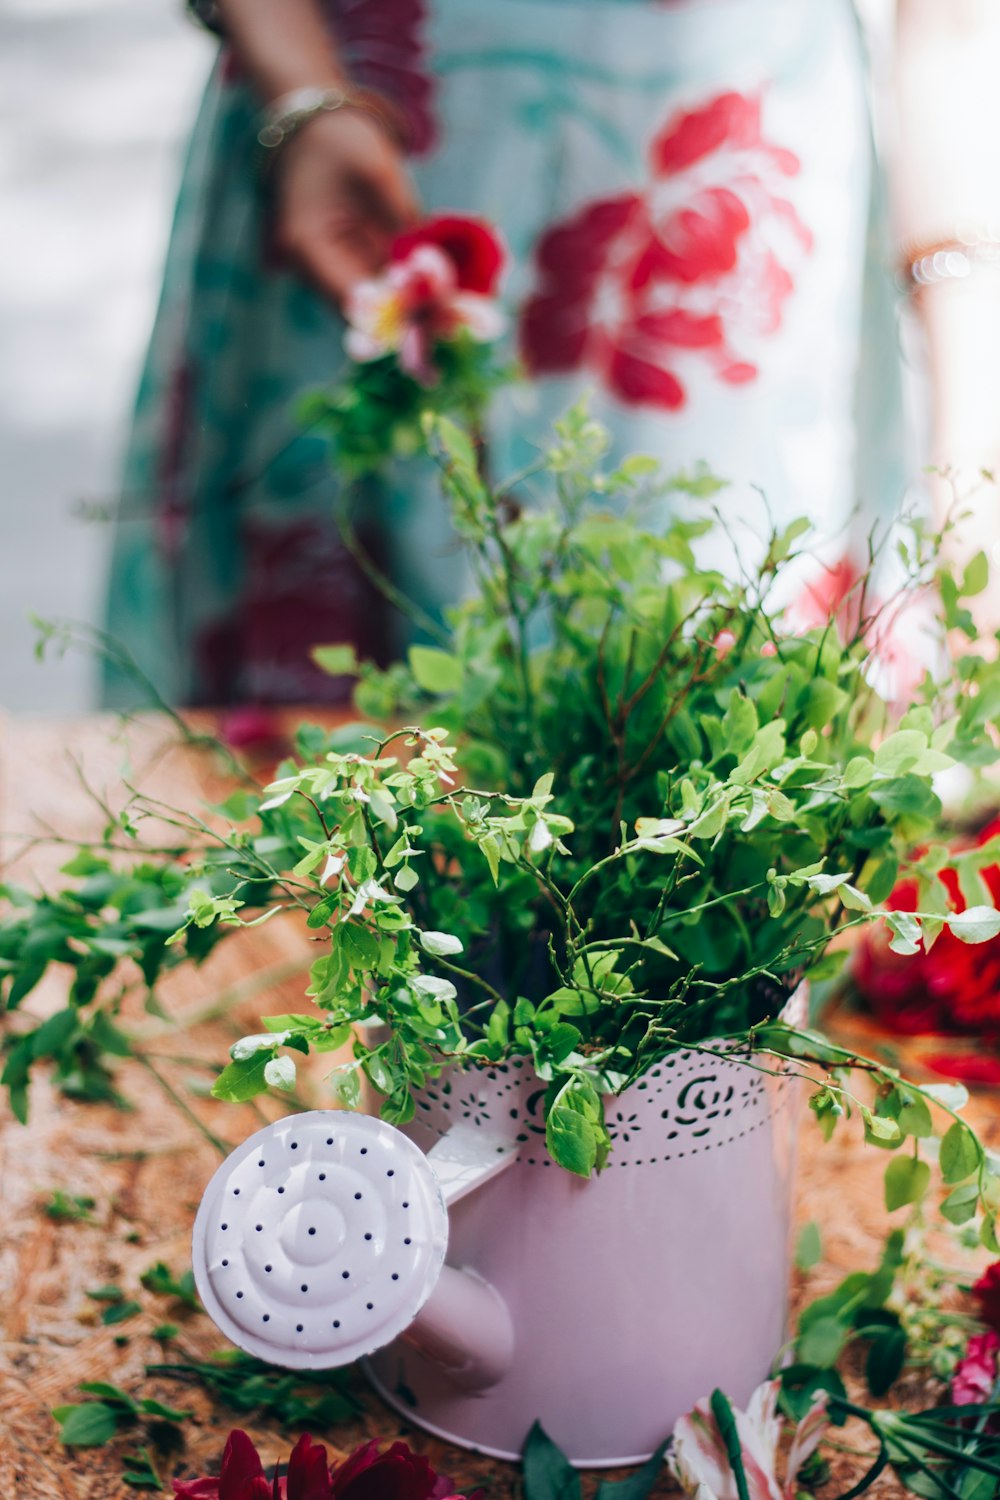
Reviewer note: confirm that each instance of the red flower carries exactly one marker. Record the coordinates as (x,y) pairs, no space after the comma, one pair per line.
(473,247)
(367,1474)
(987,1293)
(692,266)
(955,988)
(976,1373)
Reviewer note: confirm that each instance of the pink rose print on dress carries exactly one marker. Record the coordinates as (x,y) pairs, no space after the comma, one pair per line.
(384,44)
(697,265)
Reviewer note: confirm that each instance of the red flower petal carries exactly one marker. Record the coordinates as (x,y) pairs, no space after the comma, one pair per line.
(471,245)
(308,1474)
(397,1474)
(637,380)
(241,1469)
(987,1293)
(971,1068)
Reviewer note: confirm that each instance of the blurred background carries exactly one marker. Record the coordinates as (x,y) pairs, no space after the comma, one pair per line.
(96,100)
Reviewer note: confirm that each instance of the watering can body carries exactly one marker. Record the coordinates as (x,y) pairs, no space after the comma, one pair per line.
(507,1291)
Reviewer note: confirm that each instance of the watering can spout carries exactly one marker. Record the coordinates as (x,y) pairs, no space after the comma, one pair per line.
(465,1329)
(323,1238)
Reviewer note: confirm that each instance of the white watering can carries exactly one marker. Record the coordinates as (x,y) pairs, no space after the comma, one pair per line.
(602,1308)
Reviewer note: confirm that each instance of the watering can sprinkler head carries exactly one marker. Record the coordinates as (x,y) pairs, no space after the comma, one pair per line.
(323,1238)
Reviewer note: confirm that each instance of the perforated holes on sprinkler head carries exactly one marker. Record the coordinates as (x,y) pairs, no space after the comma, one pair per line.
(319,1239)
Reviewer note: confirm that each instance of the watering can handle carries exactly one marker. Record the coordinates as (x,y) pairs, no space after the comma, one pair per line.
(465,1159)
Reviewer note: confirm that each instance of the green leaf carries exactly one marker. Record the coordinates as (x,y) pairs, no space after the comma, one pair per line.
(961,1205)
(120,1312)
(914,1117)
(548,1474)
(976,576)
(571,1140)
(112,1394)
(638,1485)
(906,1181)
(435,671)
(151,1408)
(279,1073)
(898,752)
(977,924)
(959,1156)
(240,1081)
(88,1425)
(885,1359)
(339,661)
(823,1342)
(880,1131)
(809,1246)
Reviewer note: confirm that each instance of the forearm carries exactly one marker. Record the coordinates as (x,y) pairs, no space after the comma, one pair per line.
(283,44)
(947,182)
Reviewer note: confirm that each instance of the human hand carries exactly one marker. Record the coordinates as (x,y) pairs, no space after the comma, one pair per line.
(343,194)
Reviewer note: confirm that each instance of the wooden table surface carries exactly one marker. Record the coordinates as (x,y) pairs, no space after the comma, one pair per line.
(146,1167)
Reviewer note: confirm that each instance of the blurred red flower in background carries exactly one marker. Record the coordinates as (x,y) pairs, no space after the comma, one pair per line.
(952,990)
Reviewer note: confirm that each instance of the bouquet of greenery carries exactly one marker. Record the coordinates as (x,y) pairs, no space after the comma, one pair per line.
(641,809)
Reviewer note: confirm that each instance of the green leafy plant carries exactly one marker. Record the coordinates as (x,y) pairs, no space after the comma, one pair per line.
(643,808)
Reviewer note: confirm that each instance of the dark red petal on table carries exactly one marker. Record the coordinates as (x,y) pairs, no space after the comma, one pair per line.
(241,1467)
(474,249)
(308,1472)
(397,1474)
(196,1489)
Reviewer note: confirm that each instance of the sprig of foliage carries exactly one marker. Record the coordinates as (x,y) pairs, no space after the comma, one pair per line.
(376,416)
(289,1398)
(91,1423)
(69,1208)
(161,1280)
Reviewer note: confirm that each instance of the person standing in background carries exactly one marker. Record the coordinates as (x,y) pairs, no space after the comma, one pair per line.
(689,194)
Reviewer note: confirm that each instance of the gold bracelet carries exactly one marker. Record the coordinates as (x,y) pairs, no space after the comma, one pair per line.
(286,116)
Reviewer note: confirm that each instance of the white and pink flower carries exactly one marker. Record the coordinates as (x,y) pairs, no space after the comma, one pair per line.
(700,1463)
(440,282)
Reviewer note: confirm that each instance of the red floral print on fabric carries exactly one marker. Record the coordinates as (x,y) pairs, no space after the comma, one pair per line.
(384,45)
(695,264)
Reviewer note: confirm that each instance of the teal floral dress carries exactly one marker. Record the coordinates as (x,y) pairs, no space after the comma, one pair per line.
(688,193)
